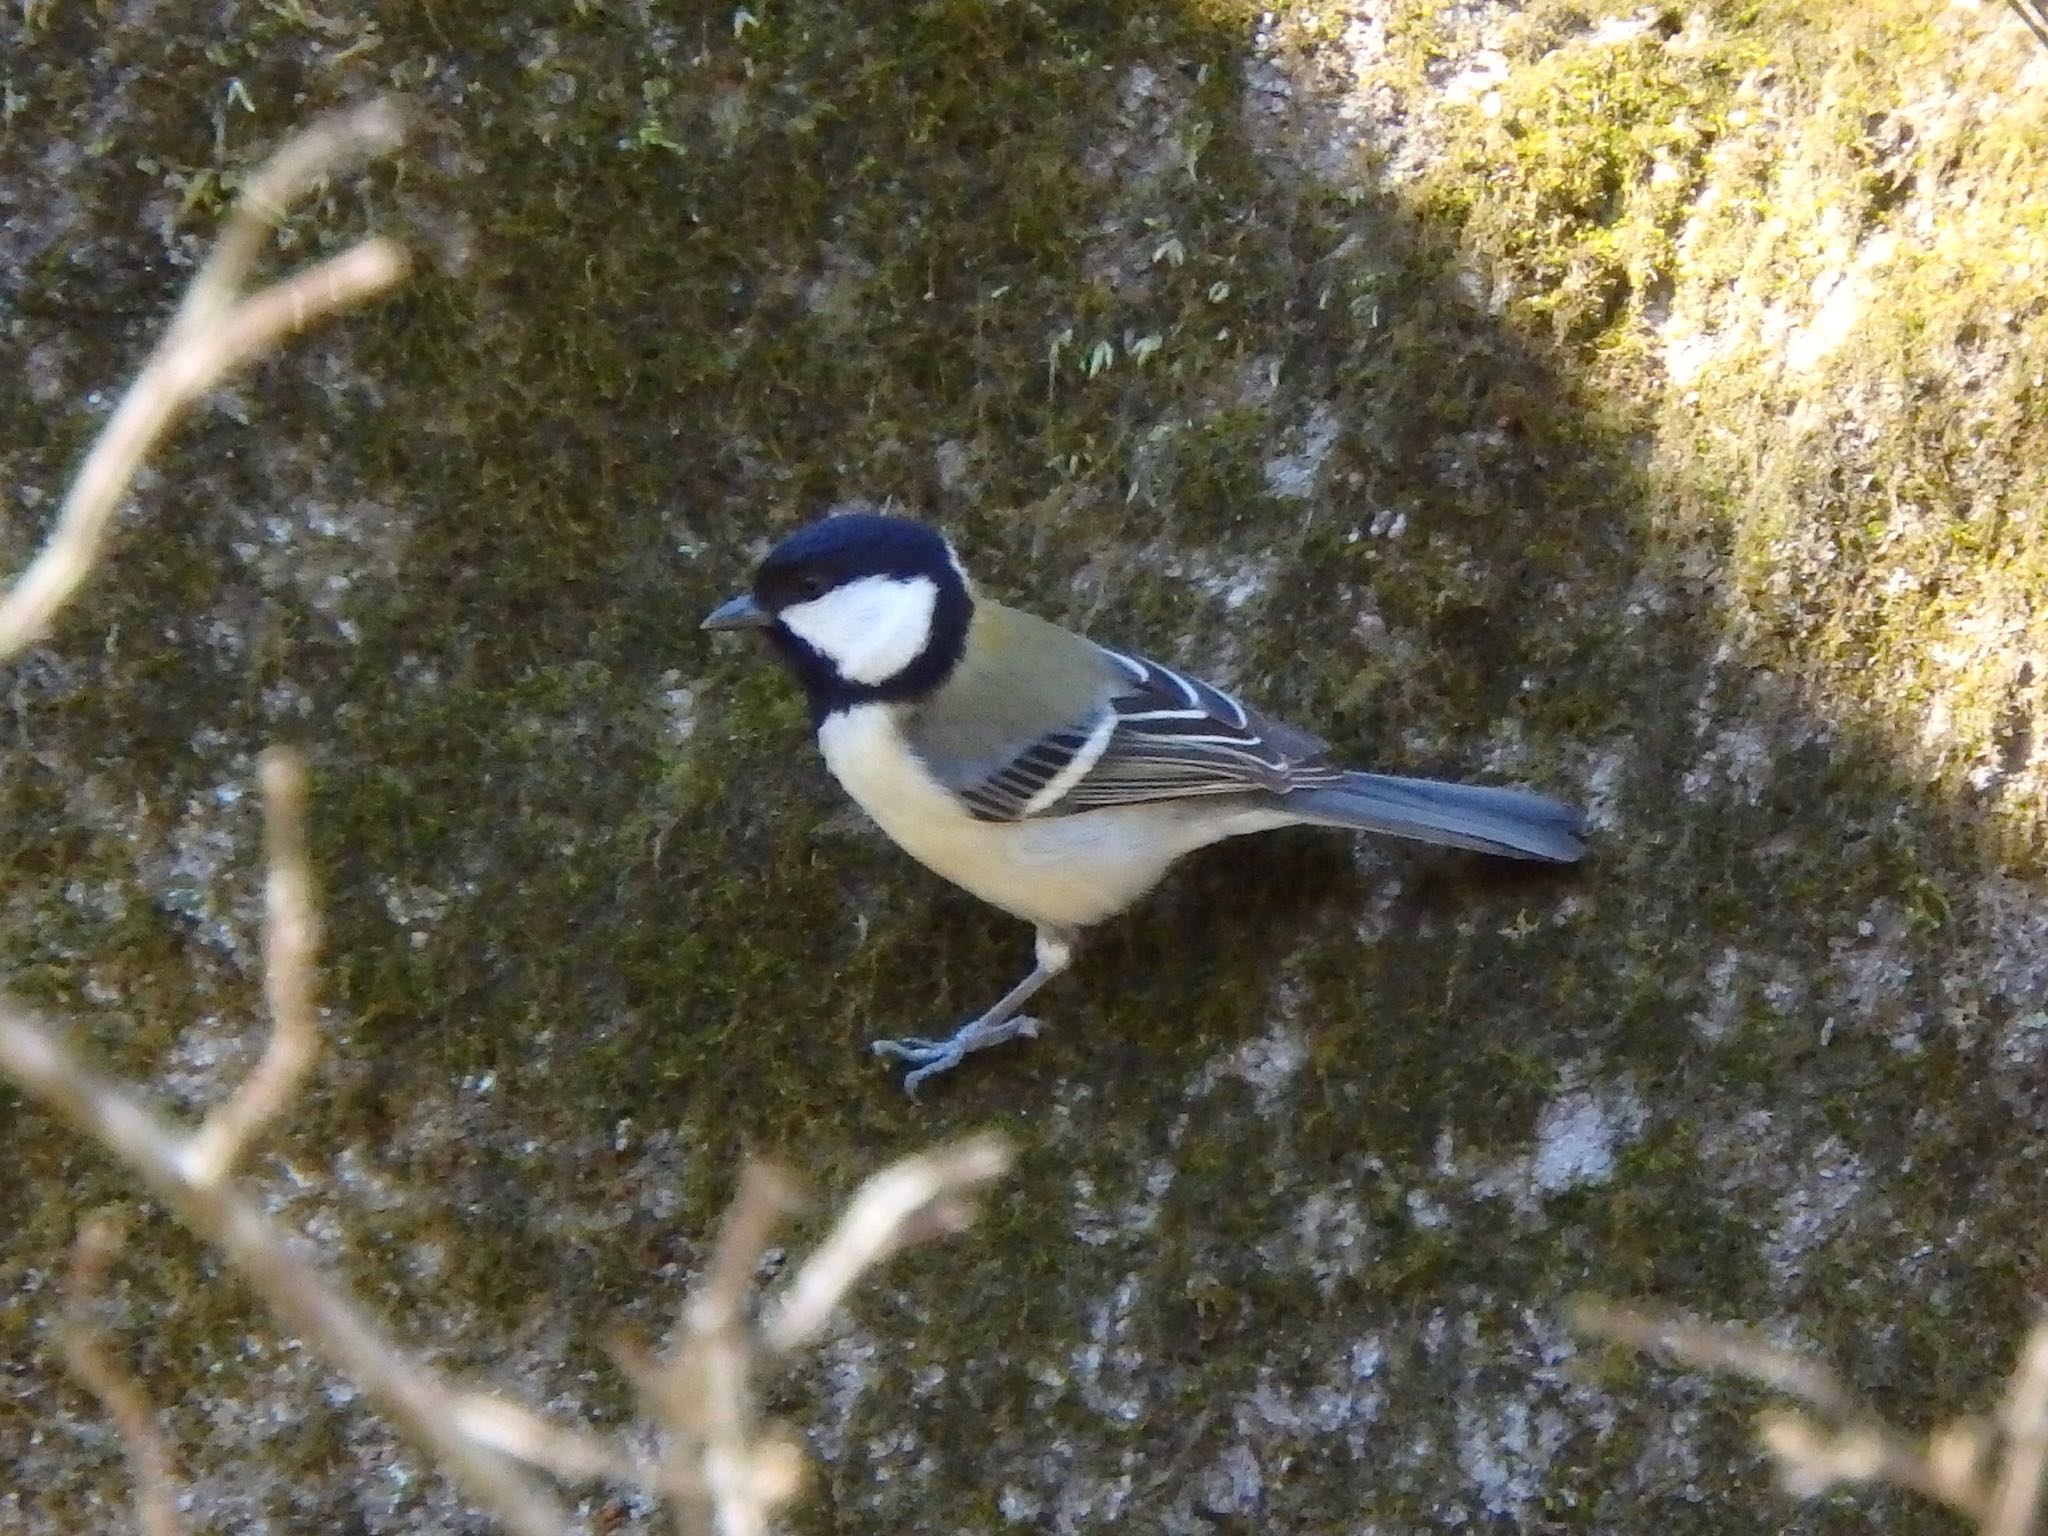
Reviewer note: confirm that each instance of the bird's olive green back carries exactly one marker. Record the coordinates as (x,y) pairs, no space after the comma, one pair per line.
(1019,677)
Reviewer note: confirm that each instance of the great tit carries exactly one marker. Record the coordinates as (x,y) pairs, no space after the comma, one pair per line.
(1048,775)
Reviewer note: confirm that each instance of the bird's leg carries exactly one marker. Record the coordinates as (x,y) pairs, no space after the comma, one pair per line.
(928,1058)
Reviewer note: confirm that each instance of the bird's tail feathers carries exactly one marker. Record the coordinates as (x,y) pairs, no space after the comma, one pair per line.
(1512,823)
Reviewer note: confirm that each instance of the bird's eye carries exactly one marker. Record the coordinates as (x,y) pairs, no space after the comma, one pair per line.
(810,586)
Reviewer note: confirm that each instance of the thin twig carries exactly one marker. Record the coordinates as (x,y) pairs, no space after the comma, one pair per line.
(291,936)
(1859,1446)
(731,1470)
(292,170)
(726,1468)
(2023,1421)
(156,1491)
(563,1451)
(1814,1457)
(766,1196)
(2035,16)
(922,1196)
(214,331)
(292,304)
(308,1302)
(726,1471)
(1738,1351)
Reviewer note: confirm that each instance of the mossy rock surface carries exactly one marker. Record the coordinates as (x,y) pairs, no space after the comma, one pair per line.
(1646,405)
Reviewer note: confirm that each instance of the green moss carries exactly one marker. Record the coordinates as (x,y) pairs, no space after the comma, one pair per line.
(1580,169)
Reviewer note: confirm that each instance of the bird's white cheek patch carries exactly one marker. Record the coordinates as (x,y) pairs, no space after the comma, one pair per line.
(870,629)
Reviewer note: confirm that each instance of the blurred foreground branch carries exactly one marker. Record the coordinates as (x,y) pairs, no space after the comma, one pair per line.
(726,1469)
(156,1502)
(2035,14)
(193,1176)
(1990,1471)
(217,329)
(723,1467)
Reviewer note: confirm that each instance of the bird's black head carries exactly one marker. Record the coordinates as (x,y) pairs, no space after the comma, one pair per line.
(863,607)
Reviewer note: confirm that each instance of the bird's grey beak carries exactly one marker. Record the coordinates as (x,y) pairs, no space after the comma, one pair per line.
(740,612)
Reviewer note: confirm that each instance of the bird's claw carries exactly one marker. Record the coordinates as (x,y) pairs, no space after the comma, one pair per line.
(911,1048)
(928,1057)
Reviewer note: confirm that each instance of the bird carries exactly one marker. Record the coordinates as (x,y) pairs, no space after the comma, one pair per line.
(1051,776)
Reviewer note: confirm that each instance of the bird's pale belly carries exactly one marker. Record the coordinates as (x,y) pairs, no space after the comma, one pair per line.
(1062,871)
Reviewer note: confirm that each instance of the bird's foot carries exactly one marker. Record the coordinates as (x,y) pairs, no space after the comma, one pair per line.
(927,1058)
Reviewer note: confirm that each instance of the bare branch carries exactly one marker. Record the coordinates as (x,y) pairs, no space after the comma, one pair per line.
(567,1452)
(1738,1351)
(1812,1458)
(919,1197)
(292,304)
(156,1496)
(311,1305)
(294,169)
(291,934)
(2023,1420)
(214,332)
(725,1469)
(1859,1446)
(2034,15)
(767,1194)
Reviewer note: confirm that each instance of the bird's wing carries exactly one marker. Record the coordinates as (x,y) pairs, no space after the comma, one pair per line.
(1171,735)
(1153,734)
